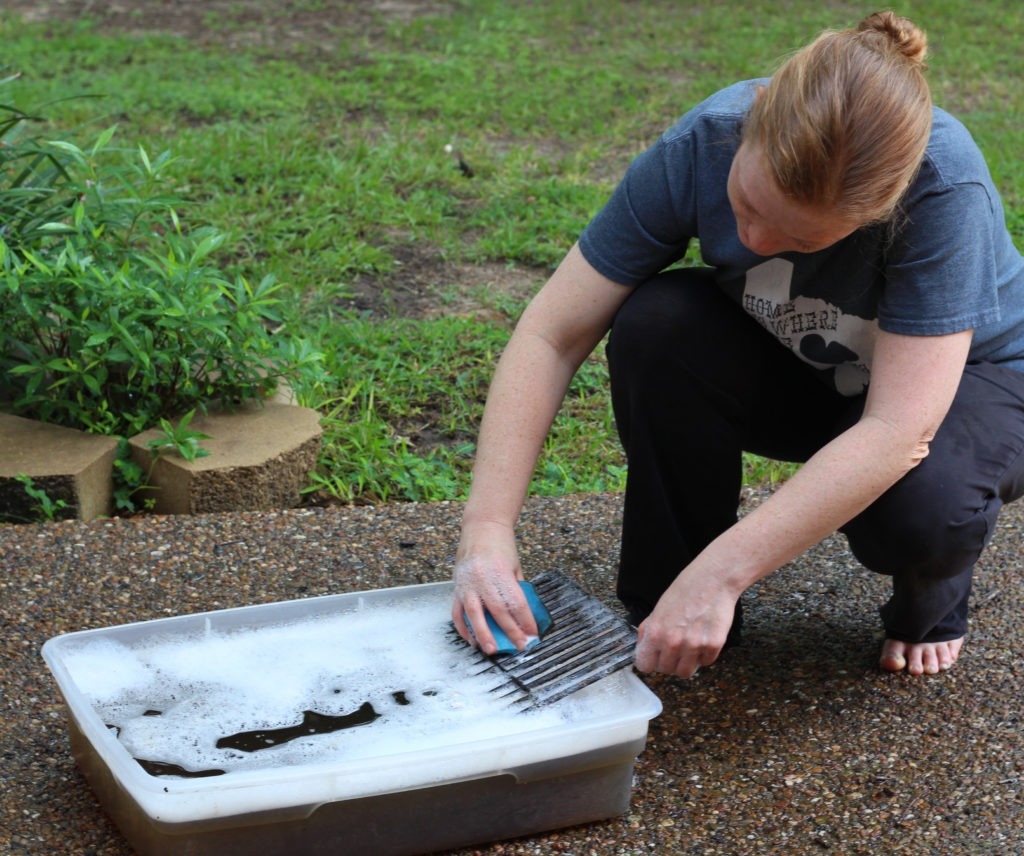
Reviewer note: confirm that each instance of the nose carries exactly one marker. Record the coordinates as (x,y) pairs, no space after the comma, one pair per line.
(758,239)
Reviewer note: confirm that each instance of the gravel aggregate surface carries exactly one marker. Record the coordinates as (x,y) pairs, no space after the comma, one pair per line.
(794,742)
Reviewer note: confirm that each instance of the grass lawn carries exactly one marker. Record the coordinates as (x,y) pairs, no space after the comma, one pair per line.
(412,172)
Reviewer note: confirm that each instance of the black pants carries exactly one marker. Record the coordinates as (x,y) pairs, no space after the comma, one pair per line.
(695,382)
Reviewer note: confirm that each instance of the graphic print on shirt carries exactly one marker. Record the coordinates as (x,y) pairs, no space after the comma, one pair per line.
(817,331)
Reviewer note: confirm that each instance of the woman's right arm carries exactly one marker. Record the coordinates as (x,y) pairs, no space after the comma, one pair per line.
(558,330)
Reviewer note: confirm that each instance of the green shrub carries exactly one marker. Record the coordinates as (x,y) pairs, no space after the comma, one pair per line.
(34,184)
(112,315)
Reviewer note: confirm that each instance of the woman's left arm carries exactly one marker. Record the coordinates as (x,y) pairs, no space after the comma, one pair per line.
(913,382)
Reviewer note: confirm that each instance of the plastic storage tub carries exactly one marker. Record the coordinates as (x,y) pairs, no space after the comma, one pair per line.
(387,783)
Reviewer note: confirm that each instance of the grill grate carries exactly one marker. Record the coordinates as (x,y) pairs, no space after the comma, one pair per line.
(586,642)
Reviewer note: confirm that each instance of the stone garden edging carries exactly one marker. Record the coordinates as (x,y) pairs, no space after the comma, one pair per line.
(260,459)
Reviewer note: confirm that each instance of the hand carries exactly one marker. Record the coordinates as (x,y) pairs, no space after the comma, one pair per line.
(688,627)
(487,574)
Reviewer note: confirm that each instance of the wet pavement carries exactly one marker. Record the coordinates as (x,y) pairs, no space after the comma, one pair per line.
(793,742)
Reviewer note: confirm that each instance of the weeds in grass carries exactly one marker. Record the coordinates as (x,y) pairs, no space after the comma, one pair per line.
(411,393)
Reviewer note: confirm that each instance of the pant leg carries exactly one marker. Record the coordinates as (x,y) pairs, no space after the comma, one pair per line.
(694,383)
(929,529)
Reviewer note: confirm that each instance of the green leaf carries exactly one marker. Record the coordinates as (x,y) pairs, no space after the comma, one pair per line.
(104,140)
(206,246)
(97,339)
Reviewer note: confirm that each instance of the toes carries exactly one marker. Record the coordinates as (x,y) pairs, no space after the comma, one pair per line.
(915,661)
(893,659)
(919,659)
(944,658)
(948,653)
(893,662)
(930,659)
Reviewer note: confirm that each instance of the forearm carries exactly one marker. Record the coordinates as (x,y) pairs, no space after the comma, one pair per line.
(914,380)
(526,392)
(558,330)
(835,485)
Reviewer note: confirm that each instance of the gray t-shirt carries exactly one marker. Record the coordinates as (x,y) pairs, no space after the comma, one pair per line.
(949,264)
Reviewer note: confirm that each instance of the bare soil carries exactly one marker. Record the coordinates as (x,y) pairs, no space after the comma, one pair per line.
(424,283)
(277,26)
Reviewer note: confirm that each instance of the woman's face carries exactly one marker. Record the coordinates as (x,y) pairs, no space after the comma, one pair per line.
(770,223)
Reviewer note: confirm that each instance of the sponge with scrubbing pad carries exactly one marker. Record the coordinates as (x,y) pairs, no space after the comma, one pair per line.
(540,615)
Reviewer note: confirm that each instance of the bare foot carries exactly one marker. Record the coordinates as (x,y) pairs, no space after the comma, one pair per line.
(919,658)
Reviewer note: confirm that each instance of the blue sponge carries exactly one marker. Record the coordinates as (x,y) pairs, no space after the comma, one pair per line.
(540,615)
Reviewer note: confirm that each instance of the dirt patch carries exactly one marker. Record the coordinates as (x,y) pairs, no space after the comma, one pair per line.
(426,285)
(238,23)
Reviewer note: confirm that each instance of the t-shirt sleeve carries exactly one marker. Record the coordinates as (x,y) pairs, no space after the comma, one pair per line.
(644,227)
(941,268)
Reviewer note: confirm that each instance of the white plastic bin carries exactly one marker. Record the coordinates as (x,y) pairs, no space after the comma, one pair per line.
(388,786)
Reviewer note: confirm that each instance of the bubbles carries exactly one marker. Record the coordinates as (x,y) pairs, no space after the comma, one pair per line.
(106,669)
(174,697)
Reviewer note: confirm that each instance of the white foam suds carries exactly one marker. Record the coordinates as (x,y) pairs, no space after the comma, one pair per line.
(173,696)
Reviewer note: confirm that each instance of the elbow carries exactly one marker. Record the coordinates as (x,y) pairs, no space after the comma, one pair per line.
(919,450)
(904,445)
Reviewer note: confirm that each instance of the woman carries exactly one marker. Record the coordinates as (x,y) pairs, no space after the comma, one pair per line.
(862,311)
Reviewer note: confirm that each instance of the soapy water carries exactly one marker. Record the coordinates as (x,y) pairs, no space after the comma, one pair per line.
(382,680)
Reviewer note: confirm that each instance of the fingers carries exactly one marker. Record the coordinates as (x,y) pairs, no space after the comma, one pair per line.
(671,655)
(507,605)
(460,612)
(515,620)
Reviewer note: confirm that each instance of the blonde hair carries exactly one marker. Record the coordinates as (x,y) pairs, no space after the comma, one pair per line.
(844,122)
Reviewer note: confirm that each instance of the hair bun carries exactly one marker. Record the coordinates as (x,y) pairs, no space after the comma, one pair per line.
(903,34)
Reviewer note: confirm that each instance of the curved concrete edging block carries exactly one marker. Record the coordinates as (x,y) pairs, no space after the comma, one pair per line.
(260,459)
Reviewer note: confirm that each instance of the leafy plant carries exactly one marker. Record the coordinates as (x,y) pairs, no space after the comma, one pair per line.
(35,188)
(46,508)
(113,316)
(129,480)
(179,439)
